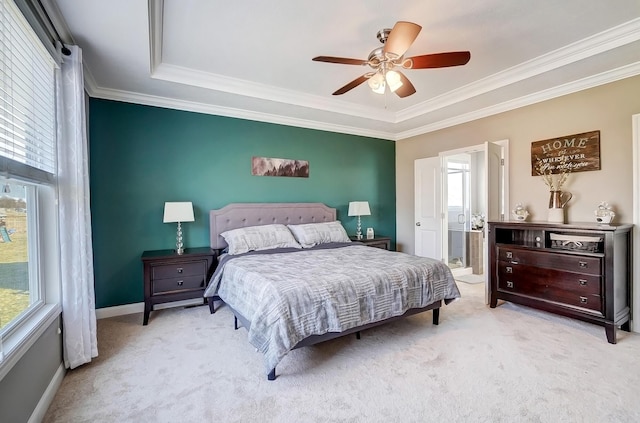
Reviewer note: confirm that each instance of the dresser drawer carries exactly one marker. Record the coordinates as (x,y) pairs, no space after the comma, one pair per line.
(573,263)
(162,286)
(529,283)
(176,270)
(577,283)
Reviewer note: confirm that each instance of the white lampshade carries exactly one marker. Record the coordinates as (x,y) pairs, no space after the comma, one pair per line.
(359,208)
(393,80)
(377,84)
(178,212)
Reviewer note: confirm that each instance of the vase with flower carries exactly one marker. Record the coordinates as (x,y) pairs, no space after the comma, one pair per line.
(558,199)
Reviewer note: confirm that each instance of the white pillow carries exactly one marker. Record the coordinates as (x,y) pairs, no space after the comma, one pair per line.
(264,237)
(310,234)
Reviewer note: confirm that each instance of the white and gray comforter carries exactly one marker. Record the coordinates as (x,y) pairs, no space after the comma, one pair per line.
(289,296)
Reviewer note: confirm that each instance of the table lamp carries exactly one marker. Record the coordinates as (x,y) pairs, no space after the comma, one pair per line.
(359,208)
(178,212)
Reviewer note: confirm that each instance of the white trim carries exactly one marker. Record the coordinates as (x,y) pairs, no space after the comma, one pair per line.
(121,310)
(150,100)
(609,39)
(622,72)
(23,338)
(200,79)
(47,397)
(635,286)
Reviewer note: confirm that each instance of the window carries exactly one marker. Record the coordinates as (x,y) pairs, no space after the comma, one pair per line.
(28,218)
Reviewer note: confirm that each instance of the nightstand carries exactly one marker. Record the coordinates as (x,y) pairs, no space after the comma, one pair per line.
(172,277)
(378,242)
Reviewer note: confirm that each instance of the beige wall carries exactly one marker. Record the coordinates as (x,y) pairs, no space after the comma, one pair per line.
(607,108)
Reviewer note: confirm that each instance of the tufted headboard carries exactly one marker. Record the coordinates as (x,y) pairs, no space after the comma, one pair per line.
(238,215)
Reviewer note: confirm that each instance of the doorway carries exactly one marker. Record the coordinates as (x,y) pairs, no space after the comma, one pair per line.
(474,181)
(463,199)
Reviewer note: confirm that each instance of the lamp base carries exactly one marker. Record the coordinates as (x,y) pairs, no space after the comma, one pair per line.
(359,230)
(179,245)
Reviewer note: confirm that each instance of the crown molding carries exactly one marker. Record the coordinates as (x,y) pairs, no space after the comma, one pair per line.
(551,93)
(191,106)
(182,75)
(618,36)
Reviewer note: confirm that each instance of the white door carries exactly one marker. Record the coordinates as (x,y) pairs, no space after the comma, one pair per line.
(428,208)
(494,200)
(493,182)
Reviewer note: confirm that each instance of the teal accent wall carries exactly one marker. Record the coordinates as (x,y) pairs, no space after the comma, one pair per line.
(142,156)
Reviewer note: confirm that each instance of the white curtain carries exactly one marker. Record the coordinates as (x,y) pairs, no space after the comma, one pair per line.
(76,252)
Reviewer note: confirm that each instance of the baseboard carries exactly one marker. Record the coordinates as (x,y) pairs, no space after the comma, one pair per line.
(121,310)
(47,398)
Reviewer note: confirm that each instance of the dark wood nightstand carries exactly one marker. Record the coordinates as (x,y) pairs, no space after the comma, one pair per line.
(378,242)
(172,277)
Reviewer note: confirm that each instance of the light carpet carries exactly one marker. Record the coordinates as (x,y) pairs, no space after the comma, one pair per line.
(471,278)
(509,364)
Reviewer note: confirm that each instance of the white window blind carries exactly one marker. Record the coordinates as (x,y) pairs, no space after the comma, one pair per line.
(27,100)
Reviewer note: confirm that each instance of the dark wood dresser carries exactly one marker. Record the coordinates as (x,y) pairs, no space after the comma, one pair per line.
(171,277)
(576,270)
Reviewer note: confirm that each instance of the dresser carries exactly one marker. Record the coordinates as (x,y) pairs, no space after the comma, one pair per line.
(581,271)
(171,277)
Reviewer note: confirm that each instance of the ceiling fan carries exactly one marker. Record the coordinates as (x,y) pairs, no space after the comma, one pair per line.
(386,61)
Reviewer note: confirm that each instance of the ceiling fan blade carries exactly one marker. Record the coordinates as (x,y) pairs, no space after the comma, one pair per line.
(351,85)
(401,37)
(339,60)
(439,60)
(407,87)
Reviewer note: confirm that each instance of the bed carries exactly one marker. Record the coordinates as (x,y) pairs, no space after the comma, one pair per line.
(302,281)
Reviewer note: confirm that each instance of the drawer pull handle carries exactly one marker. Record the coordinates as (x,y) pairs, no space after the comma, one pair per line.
(583,300)
(583,282)
(514,262)
(180,283)
(509,284)
(179,269)
(509,254)
(582,264)
(509,269)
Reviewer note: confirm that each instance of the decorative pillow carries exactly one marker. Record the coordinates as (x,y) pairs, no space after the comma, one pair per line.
(253,238)
(310,234)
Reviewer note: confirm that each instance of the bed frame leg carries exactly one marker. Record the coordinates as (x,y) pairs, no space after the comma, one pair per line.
(272,374)
(212,305)
(235,323)
(436,316)
(358,335)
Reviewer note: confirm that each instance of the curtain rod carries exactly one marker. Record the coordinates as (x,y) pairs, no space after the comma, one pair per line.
(64,50)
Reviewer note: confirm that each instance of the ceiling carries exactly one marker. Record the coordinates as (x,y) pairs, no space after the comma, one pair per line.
(252,59)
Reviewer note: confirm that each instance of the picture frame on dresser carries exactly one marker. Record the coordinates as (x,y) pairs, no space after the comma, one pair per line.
(582,271)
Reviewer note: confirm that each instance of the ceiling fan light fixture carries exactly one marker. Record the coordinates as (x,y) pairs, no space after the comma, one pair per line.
(377,83)
(393,80)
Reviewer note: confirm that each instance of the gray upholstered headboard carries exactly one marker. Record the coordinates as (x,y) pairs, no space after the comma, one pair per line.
(238,215)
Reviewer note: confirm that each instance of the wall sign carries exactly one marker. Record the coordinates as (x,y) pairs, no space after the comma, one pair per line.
(571,153)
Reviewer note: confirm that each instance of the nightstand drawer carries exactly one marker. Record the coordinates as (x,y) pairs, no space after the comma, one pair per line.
(162,286)
(176,270)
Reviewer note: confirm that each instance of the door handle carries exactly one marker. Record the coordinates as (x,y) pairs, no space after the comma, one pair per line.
(417,223)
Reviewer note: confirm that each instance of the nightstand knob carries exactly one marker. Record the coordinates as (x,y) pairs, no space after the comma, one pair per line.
(180,283)
(583,282)
(179,269)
